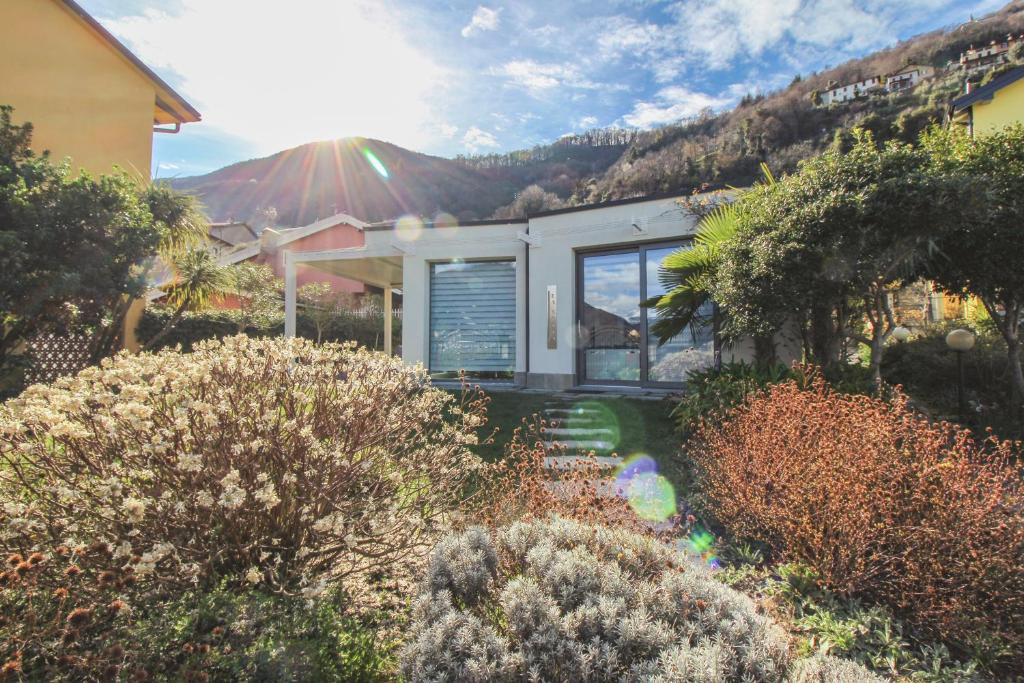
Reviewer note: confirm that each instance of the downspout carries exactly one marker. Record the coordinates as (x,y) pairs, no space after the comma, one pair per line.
(526,245)
(171,131)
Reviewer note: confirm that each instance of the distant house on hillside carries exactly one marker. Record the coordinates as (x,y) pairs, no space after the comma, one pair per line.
(852,91)
(87,96)
(977,60)
(908,77)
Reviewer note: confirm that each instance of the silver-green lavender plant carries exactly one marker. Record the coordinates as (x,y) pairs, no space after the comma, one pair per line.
(559,600)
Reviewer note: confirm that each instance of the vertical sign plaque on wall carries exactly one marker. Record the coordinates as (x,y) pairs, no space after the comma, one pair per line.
(552,317)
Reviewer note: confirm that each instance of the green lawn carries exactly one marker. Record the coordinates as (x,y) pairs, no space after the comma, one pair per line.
(635,425)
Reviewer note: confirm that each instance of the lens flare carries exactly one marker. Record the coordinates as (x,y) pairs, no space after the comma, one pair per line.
(408,228)
(376,163)
(595,422)
(701,543)
(650,495)
(445,220)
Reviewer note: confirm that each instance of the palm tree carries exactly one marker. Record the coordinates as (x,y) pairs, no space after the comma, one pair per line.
(182,228)
(198,277)
(686,276)
(688,273)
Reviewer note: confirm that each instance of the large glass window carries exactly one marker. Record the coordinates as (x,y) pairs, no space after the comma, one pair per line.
(473,319)
(693,348)
(610,317)
(615,344)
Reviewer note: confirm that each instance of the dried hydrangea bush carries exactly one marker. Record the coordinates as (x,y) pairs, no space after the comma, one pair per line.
(275,460)
(563,600)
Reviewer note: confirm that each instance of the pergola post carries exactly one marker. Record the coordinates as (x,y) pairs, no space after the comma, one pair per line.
(387,320)
(289,294)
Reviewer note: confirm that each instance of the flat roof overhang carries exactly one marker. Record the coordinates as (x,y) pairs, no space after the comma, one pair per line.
(377,267)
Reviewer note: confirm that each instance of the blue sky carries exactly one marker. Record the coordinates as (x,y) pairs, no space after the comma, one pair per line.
(465,77)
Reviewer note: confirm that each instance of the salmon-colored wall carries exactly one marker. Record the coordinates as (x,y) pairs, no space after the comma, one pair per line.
(340,236)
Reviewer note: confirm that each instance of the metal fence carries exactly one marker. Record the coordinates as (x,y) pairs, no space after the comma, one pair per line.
(52,356)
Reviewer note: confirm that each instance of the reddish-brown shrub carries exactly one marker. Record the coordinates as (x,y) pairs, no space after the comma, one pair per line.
(65,613)
(879,501)
(522,485)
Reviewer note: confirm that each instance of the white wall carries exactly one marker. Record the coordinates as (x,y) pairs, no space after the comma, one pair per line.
(432,245)
(555,240)
(553,262)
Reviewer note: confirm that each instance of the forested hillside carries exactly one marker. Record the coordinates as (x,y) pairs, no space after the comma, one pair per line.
(299,185)
(784,127)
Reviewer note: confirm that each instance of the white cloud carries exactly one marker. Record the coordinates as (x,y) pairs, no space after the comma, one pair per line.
(280,77)
(484,19)
(585,122)
(716,32)
(448,130)
(627,36)
(476,139)
(669,105)
(538,76)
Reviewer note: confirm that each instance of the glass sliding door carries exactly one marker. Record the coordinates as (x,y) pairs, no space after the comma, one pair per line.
(614,342)
(473,319)
(609,317)
(691,349)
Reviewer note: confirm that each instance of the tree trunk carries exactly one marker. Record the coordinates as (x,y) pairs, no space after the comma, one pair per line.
(764,350)
(825,347)
(1009,326)
(1017,382)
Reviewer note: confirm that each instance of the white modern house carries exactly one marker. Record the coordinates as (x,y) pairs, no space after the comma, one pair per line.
(851,91)
(552,301)
(908,77)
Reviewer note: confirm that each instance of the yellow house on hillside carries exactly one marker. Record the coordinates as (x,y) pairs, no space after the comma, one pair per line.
(992,106)
(87,96)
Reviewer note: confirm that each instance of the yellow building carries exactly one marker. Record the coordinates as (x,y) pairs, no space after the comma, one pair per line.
(992,106)
(87,96)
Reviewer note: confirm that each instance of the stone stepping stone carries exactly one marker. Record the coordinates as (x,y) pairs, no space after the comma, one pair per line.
(565,462)
(605,488)
(585,445)
(579,432)
(563,413)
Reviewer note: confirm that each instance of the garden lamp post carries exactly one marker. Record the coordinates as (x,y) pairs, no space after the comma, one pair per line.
(960,341)
(901,334)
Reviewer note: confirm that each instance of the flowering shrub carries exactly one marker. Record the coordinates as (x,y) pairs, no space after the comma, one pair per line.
(276,460)
(561,600)
(879,502)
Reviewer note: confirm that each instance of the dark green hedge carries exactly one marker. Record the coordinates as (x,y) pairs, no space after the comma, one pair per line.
(195,327)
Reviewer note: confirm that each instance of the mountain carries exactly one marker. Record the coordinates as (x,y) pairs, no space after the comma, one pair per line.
(322,178)
(299,185)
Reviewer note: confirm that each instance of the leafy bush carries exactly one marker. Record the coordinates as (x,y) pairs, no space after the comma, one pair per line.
(560,600)
(228,635)
(75,614)
(277,460)
(712,392)
(927,370)
(879,502)
(215,324)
